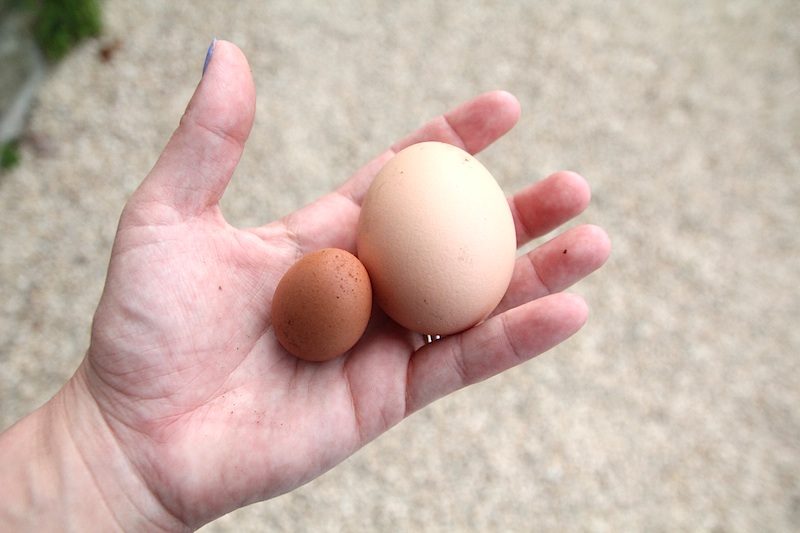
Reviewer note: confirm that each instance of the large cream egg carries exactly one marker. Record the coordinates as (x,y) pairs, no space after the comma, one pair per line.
(437,237)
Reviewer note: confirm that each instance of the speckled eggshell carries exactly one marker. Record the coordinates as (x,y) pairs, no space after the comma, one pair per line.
(322,305)
(437,237)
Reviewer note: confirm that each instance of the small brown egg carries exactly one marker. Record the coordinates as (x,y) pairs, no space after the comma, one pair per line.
(322,305)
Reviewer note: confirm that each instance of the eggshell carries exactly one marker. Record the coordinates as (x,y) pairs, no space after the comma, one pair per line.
(437,237)
(322,305)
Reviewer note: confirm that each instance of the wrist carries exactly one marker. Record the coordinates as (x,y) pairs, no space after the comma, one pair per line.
(63,470)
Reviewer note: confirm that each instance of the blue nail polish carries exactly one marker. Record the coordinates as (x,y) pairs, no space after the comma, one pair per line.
(208,54)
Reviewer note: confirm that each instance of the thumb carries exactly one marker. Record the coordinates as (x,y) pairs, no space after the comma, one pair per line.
(192,172)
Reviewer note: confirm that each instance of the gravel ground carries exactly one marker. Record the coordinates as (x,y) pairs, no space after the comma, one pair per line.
(677,408)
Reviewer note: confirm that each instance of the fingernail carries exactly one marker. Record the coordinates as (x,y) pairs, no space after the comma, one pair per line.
(208,54)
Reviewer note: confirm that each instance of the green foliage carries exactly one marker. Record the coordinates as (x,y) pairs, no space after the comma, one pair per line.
(58,25)
(9,155)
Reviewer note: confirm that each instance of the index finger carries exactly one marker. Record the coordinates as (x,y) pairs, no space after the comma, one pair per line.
(472,126)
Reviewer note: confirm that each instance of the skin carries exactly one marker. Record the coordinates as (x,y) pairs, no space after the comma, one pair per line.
(186,407)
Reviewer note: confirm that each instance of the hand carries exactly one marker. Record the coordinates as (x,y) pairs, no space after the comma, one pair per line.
(185,389)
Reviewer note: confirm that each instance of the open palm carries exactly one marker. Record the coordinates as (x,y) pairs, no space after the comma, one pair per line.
(210,412)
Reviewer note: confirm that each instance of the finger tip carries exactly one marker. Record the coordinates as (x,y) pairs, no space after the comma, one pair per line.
(227,90)
(574,306)
(225,48)
(484,119)
(597,246)
(576,302)
(580,188)
(602,241)
(229,60)
(508,110)
(508,103)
